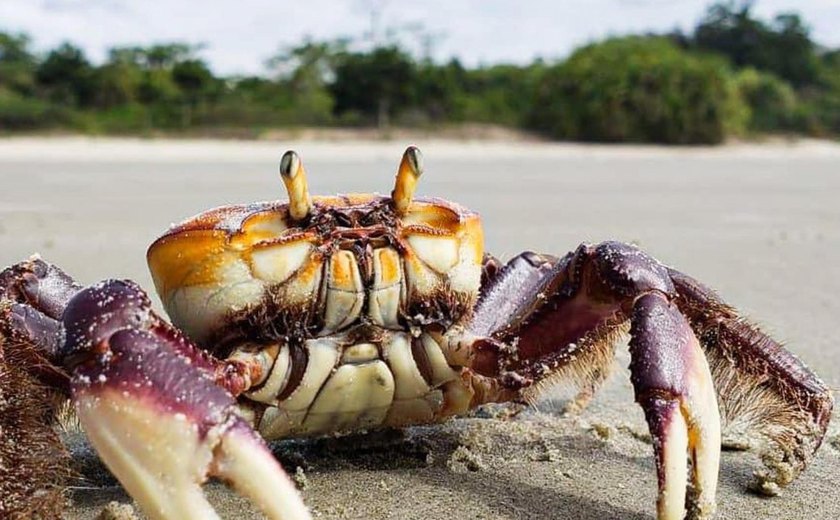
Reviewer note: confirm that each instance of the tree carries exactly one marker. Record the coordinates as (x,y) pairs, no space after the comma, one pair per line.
(439,90)
(67,76)
(117,83)
(195,80)
(308,65)
(375,85)
(14,48)
(160,56)
(772,101)
(197,85)
(304,72)
(17,63)
(783,47)
(501,94)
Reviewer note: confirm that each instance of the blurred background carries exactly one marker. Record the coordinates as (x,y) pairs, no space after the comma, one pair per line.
(658,71)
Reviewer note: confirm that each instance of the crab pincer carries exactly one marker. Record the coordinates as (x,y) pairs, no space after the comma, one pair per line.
(150,405)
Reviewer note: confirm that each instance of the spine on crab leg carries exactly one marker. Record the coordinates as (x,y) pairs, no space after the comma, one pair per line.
(760,385)
(151,406)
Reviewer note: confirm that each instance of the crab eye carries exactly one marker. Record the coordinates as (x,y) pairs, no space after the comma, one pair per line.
(294,177)
(411,168)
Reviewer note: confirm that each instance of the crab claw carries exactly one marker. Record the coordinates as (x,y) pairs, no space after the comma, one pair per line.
(148,402)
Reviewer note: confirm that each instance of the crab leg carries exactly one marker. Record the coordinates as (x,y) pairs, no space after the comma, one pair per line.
(760,385)
(150,406)
(149,401)
(38,284)
(34,466)
(674,388)
(33,295)
(541,319)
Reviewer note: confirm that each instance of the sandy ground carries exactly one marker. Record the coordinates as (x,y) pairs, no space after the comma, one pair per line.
(759,222)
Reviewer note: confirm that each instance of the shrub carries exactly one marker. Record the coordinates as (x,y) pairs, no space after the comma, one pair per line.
(638,89)
(822,104)
(771,101)
(818,113)
(25,113)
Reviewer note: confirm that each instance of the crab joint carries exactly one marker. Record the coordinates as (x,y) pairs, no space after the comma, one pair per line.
(411,167)
(294,177)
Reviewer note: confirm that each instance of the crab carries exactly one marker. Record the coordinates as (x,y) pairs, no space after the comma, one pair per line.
(328,315)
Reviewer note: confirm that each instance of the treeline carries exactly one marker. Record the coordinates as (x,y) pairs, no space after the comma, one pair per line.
(732,75)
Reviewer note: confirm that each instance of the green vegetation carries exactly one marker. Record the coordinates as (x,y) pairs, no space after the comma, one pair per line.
(733,75)
(637,89)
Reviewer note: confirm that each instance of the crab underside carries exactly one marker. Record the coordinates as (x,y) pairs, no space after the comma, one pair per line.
(327,315)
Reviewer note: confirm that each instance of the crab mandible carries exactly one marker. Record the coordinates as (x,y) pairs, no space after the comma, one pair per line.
(332,314)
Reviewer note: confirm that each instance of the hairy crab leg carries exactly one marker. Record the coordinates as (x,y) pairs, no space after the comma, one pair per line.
(150,405)
(156,408)
(761,386)
(34,466)
(540,320)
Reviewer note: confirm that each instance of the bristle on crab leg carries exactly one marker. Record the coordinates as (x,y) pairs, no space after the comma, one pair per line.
(294,177)
(411,168)
(149,405)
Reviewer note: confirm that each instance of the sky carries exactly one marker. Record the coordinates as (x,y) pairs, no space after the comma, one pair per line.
(239,35)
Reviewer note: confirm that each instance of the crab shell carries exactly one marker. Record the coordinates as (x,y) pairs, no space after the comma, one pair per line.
(251,273)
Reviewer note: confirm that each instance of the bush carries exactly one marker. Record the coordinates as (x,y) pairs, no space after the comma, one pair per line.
(638,89)
(818,113)
(771,101)
(821,105)
(24,113)
(126,118)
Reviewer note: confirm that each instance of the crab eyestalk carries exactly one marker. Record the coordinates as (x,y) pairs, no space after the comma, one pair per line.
(294,177)
(411,168)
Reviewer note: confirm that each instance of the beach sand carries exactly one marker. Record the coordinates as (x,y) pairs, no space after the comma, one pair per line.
(760,223)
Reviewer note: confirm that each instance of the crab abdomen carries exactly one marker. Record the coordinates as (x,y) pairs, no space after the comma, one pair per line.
(337,384)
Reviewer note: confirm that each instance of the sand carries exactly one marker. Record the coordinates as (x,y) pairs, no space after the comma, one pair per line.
(761,223)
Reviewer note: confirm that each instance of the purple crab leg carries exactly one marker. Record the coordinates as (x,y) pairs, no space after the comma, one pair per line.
(542,319)
(158,410)
(33,295)
(150,405)
(674,387)
(38,284)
